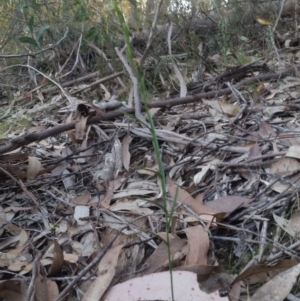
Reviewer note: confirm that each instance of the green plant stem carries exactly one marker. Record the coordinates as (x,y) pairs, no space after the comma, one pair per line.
(151,127)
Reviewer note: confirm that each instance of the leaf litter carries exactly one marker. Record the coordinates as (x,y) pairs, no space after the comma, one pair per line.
(81,211)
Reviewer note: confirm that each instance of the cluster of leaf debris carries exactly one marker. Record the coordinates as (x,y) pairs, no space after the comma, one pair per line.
(239,181)
(81,213)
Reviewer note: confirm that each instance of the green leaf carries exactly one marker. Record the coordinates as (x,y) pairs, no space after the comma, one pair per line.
(40,32)
(28,40)
(52,226)
(92,32)
(30,24)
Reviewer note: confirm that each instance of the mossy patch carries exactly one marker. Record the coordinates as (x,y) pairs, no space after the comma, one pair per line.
(11,125)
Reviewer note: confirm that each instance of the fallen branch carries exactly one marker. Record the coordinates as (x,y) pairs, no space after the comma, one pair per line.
(163,103)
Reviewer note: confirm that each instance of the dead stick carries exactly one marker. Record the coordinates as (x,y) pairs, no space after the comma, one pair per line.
(93,263)
(164,103)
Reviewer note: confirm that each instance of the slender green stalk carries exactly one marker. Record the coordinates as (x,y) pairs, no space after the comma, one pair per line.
(151,127)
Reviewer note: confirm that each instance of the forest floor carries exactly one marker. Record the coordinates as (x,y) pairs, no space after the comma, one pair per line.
(82,212)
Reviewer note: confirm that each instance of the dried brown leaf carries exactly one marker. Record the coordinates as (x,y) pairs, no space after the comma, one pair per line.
(265,130)
(223,107)
(106,272)
(82,199)
(10,295)
(10,290)
(198,245)
(261,272)
(52,288)
(294,224)
(228,203)
(184,197)
(58,260)
(23,239)
(41,288)
(14,157)
(159,258)
(254,151)
(278,287)
(282,167)
(110,189)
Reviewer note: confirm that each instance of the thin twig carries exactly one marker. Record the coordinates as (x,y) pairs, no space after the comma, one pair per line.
(138,111)
(238,95)
(22,186)
(78,45)
(151,39)
(31,287)
(35,53)
(91,265)
(279,15)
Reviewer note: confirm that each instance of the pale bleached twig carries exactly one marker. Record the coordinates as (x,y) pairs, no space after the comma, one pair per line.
(137,101)
(151,39)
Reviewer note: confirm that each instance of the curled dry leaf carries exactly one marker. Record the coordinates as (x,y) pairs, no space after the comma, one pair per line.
(199,176)
(34,167)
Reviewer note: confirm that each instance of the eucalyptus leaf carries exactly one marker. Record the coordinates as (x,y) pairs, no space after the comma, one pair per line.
(40,32)
(30,24)
(28,40)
